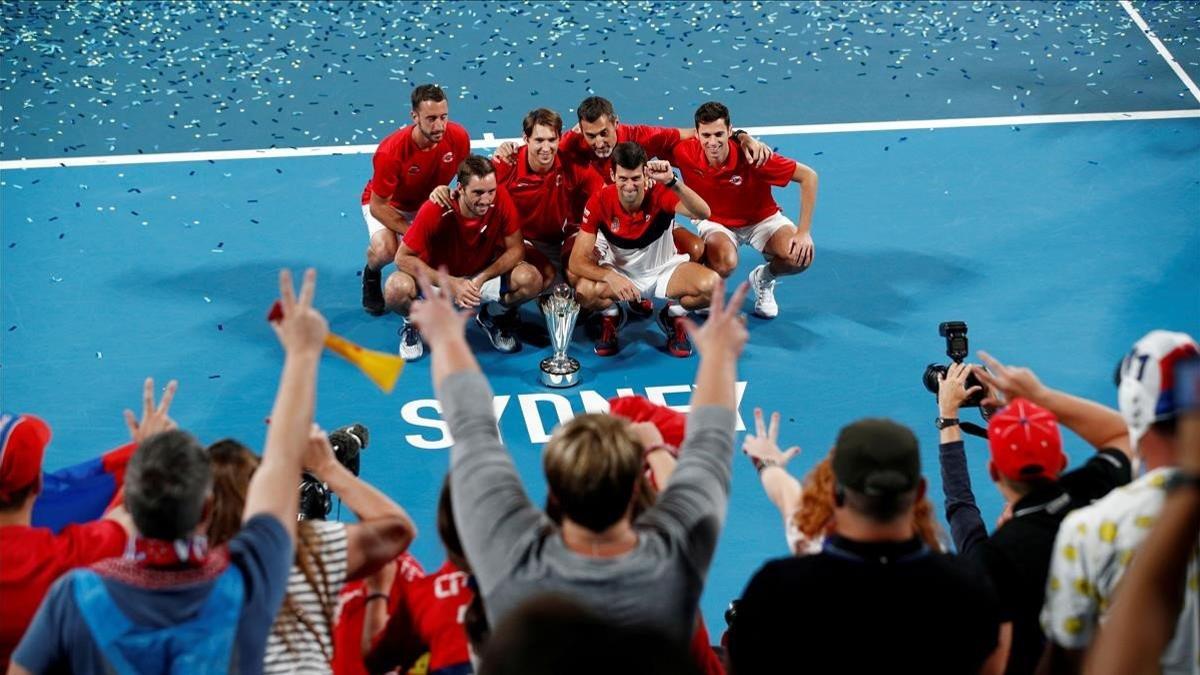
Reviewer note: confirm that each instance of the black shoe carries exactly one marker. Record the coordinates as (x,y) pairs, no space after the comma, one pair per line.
(372,294)
(500,329)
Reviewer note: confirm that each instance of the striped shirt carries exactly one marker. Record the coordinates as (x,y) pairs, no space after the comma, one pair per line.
(293,646)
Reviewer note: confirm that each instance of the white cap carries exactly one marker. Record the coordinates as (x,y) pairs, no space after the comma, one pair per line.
(1146,379)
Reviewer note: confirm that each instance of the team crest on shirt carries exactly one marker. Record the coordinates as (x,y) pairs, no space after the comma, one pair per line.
(558,180)
(414,169)
(736,180)
(448,157)
(614,225)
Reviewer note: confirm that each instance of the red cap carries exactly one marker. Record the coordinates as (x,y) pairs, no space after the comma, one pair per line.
(23,440)
(1025,442)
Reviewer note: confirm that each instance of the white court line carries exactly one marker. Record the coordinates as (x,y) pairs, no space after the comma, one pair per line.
(490,141)
(1161,48)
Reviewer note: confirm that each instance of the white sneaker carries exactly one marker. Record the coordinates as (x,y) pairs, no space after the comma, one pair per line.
(411,346)
(764,294)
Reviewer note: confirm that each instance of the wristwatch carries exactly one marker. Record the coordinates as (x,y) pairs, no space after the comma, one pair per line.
(944,422)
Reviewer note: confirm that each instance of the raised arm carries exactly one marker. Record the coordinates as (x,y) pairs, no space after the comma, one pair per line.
(690,204)
(762,447)
(491,508)
(301,331)
(692,507)
(1101,426)
(966,523)
(383,531)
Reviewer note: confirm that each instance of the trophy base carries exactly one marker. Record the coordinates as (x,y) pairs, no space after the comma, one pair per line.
(560,373)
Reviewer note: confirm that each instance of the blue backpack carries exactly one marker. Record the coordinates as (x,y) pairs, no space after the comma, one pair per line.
(203,644)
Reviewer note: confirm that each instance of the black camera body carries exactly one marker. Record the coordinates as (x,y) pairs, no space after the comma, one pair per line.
(957,349)
(316,499)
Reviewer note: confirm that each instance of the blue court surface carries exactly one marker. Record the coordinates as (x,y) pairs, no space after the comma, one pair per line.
(1058,240)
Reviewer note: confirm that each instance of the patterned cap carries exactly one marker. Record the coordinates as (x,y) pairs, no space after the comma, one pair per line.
(1146,379)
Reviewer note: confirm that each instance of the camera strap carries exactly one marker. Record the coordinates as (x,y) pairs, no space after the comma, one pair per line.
(973,429)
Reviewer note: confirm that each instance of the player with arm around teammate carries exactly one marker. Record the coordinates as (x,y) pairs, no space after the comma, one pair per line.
(743,210)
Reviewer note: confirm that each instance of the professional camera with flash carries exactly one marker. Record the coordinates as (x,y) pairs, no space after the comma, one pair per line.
(316,499)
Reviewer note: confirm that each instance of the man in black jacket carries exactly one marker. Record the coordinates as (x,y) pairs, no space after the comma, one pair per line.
(1026,464)
(875,594)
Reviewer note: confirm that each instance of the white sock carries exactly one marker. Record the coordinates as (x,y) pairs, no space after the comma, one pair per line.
(766,274)
(676,309)
(611,310)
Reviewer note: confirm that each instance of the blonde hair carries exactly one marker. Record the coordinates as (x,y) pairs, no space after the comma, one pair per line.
(592,465)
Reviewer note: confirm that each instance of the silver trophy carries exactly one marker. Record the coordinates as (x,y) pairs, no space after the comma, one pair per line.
(560,310)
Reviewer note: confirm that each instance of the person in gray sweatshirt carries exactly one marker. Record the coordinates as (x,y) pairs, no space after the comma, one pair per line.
(644,572)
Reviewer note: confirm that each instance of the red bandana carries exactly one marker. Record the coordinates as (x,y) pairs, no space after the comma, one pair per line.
(167,554)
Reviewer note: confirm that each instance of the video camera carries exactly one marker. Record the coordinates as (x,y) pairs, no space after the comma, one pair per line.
(316,499)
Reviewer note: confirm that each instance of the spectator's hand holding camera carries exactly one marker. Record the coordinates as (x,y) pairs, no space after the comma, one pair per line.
(952,389)
(1008,382)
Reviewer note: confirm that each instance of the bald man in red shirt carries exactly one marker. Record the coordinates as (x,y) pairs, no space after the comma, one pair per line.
(407,165)
(743,210)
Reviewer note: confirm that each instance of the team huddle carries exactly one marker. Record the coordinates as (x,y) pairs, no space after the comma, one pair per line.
(593,207)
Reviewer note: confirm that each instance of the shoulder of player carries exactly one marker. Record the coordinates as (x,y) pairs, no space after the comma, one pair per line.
(429,215)
(458,131)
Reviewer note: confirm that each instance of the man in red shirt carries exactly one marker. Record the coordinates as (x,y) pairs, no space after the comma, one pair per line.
(743,210)
(407,165)
(549,194)
(632,219)
(33,558)
(479,242)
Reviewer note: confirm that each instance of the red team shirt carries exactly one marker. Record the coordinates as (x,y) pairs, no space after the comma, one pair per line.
(32,558)
(426,615)
(351,613)
(405,174)
(605,215)
(657,142)
(737,192)
(464,246)
(549,205)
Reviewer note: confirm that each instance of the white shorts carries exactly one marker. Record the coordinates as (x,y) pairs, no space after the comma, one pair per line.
(756,235)
(373,224)
(653,283)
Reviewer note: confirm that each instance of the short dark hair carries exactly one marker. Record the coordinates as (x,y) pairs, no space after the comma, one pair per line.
(882,508)
(543,116)
(166,483)
(712,111)
(629,155)
(593,108)
(474,165)
(427,92)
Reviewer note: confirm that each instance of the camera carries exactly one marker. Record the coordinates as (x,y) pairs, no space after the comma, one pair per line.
(957,349)
(316,499)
